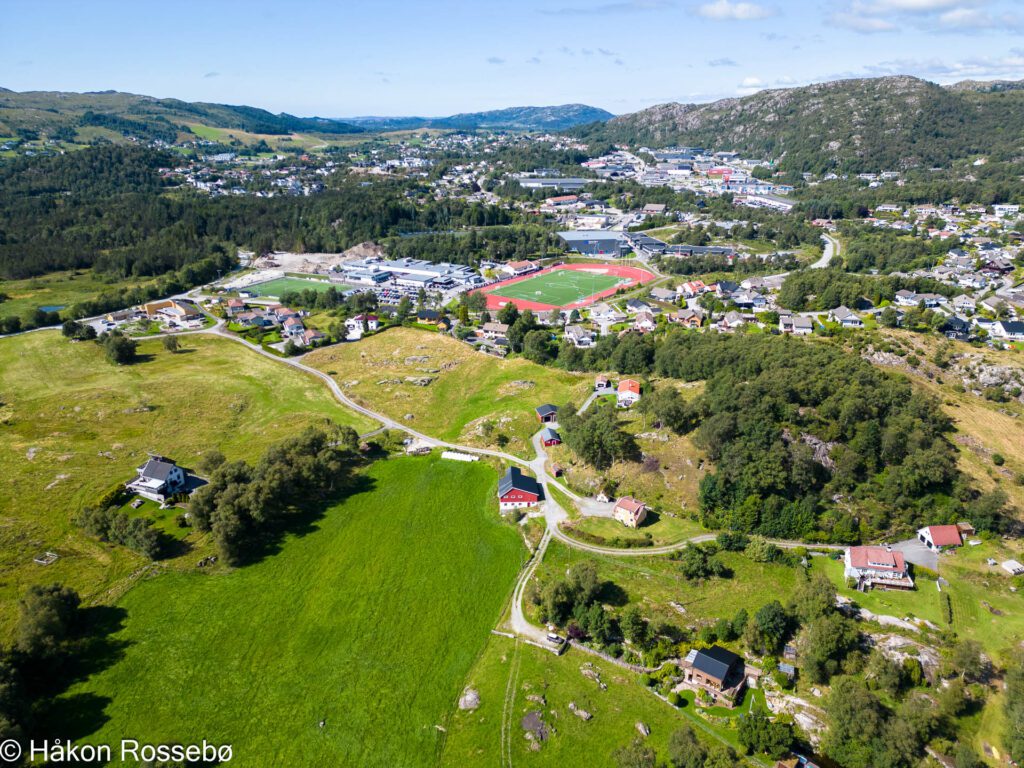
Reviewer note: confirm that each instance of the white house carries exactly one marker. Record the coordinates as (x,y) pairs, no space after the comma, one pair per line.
(1011,330)
(845,317)
(628,393)
(579,336)
(940,537)
(158,479)
(873,567)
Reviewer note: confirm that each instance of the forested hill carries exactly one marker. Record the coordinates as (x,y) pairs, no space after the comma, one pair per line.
(886,123)
(512,119)
(46,112)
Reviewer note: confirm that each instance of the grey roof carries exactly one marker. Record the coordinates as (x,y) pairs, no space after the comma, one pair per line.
(157,469)
(514,479)
(550,434)
(716,662)
(547,408)
(587,235)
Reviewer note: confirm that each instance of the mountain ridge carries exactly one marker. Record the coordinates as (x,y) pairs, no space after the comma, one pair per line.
(555,117)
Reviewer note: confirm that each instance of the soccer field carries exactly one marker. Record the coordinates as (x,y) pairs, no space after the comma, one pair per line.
(281,285)
(558,288)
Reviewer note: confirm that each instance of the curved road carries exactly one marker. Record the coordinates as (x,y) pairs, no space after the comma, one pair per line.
(554,514)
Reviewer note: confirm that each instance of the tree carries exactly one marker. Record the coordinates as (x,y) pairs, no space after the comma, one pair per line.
(537,346)
(171,343)
(814,597)
(46,617)
(508,314)
(768,628)
(855,722)
(759,734)
(119,349)
(968,661)
(635,627)
(824,644)
(403,310)
(695,563)
(684,750)
(636,755)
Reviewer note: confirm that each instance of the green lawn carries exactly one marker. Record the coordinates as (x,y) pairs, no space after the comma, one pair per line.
(275,288)
(558,288)
(72,425)
(509,671)
(468,389)
(654,581)
(370,621)
(661,529)
(58,289)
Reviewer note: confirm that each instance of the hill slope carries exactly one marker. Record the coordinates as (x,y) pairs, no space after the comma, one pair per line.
(144,116)
(853,125)
(555,118)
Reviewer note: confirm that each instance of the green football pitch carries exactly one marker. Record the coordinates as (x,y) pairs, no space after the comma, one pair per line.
(558,288)
(284,284)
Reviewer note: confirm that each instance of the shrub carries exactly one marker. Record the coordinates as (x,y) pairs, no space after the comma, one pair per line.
(998,460)
(674,699)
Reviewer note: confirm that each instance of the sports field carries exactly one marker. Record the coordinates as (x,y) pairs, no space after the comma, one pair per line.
(564,286)
(275,288)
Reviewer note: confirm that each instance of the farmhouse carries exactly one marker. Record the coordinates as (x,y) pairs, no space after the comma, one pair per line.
(516,490)
(940,537)
(158,479)
(629,511)
(717,671)
(628,393)
(547,413)
(550,437)
(873,567)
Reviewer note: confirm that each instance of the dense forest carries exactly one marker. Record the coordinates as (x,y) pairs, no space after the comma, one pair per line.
(808,440)
(821,289)
(106,208)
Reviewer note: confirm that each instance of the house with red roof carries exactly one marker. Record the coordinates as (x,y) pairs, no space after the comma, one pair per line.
(629,511)
(876,567)
(940,537)
(628,393)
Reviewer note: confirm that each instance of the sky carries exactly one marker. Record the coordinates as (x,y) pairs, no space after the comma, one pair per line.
(439,57)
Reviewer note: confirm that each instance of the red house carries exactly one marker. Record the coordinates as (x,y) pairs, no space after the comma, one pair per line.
(547,413)
(516,490)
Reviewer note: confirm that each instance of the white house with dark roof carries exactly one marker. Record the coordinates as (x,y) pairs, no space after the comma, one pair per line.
(158,479)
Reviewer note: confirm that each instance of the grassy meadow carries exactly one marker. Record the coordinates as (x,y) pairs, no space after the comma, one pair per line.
(72,425)
(469,388)
(57,289)
(654,582)
(510,670)
(369,621)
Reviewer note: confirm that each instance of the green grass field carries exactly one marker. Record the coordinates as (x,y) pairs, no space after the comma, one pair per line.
(661,528)
(275,288)
(653,582)
(58,289)
(370,621)
(468,390)
(558,288)
(509,671)
(72,425)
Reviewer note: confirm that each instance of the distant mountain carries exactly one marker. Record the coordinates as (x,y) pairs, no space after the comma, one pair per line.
(512,119)
(987,86)
(886,123)
(48,112)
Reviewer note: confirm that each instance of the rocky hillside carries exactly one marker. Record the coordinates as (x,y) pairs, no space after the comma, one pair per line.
(872,124)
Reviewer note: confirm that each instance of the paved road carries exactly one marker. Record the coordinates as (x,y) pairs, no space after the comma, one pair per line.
(832,249)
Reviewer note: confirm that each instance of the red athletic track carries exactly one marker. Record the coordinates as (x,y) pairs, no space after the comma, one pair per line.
(635,275)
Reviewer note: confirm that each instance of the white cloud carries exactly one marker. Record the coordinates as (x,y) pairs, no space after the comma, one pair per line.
(723,62)
(727,10)
(864,24)
(1009,66)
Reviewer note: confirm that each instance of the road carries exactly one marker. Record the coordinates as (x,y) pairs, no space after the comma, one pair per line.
(832,249)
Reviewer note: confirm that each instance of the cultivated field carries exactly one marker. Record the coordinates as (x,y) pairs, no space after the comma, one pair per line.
(72,425)
(467,390)
(275,288)
(369,622)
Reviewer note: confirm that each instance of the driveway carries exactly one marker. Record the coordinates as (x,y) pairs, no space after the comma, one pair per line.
(917,553)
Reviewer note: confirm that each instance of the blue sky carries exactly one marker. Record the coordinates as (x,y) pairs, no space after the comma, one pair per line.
(402,57)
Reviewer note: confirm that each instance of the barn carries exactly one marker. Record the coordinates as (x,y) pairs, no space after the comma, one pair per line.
(516,490)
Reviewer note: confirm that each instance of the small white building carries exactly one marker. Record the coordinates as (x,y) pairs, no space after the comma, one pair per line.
(158,479)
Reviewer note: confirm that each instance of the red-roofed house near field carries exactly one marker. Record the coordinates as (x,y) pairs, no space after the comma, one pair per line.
(876,567)
(940,537)
(629,393)
(629,511)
